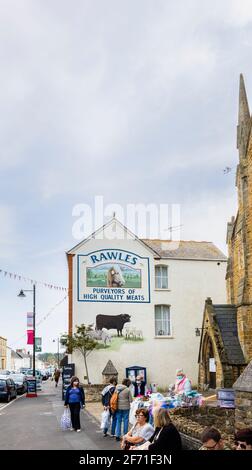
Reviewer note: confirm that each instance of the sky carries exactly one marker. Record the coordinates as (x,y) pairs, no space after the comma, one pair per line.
(133,101)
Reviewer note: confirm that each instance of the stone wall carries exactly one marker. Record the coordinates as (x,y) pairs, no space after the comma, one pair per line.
(93,392)
(243,410)
(192,421)
(243,399)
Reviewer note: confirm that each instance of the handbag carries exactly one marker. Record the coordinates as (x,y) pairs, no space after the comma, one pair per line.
(65,421)
(127,445)
(105,419)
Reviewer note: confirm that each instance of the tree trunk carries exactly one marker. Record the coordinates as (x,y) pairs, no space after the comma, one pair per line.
(86,367)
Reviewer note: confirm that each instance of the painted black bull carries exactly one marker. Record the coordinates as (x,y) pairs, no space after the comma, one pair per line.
(112,322)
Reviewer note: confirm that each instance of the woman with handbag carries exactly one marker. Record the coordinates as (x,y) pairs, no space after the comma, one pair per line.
(75,399)
(140,432)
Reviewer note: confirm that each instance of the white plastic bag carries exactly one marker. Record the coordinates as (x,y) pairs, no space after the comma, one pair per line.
(105,419)
(65,421)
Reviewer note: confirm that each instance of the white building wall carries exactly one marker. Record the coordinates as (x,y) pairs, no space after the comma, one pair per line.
(190,282)
(8,358)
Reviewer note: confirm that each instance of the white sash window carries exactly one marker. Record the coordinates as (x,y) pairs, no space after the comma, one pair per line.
(162,320)
(161,277)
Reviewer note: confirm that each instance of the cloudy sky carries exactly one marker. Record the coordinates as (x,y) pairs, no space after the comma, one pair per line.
(135,101)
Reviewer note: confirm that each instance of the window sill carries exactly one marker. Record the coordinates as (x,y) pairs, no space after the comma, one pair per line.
(163,337)
(166,290)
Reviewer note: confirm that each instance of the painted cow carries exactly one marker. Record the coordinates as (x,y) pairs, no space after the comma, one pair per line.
(114,277)
(112,322)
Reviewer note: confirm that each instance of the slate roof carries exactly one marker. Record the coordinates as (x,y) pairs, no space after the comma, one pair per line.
(186,249)
(244,382)
(226,317)
(16,355)
(109,369)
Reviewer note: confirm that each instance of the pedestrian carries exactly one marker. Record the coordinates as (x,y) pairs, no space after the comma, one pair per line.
(139,386)
(140,432)
(75,399)
(165,438)
(211,440)
(56,377)
(107,393)
(243,439)
(123,408)
(182,384)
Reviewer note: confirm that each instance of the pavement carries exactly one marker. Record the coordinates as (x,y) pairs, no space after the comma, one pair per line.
(34,424)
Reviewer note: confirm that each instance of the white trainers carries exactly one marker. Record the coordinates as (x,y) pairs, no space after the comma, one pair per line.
(71,429)
(78,430)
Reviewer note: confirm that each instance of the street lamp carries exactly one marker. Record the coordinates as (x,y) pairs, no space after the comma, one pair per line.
(198,331)
(54,341)
(22,294)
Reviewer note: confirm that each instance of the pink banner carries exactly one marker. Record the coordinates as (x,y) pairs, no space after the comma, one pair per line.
(30,336)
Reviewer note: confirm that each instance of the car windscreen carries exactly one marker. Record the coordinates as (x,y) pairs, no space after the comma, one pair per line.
(18,378)
(2,382)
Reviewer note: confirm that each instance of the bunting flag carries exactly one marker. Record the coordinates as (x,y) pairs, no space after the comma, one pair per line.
(15,277)
(30,336)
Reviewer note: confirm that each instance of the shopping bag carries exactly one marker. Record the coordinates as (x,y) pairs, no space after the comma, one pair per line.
(65,421)
(105,419)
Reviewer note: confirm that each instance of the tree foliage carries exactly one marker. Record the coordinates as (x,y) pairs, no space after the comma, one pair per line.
(80,341)
(49,357)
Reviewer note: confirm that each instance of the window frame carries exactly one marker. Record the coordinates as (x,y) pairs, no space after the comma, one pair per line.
(170,335)
(161,277)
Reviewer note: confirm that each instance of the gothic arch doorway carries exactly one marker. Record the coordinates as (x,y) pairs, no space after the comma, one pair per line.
(209,362)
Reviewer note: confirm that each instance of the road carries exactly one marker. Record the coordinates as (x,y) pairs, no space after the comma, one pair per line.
(34,424)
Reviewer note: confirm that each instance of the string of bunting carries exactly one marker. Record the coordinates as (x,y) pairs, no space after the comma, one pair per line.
(51,311)
(18,277)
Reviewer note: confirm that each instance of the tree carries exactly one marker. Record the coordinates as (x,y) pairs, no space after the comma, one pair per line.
(50,358)
(80,341)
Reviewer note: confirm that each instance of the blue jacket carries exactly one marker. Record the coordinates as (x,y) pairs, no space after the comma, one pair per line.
(82,395)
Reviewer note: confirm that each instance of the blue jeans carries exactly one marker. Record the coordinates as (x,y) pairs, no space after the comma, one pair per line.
(122,415)
(113,425)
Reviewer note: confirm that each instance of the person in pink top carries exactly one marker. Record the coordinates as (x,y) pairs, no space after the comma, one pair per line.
(182,384)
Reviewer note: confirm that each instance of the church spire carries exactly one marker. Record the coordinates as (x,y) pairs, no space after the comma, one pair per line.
(244,121)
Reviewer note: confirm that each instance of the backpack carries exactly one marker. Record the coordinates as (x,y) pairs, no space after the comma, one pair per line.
(114,402)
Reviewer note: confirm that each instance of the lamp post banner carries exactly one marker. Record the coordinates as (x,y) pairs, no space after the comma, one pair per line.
(38,344)
(29,320)
(30,336)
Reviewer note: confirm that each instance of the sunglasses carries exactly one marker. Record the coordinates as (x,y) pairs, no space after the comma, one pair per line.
(241,445)
(136,416)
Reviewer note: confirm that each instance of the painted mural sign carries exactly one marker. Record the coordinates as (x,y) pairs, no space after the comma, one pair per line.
(112,275)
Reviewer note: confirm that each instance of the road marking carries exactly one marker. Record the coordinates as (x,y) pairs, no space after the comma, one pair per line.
(8,404)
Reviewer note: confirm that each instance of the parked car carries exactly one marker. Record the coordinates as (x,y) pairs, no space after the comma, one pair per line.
(4,372)
(20,381)
(44,374)
(8,389)
(24,370)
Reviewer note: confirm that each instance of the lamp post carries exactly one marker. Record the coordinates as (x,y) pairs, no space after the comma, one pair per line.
(21,294)
(54,340)
(198,331)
